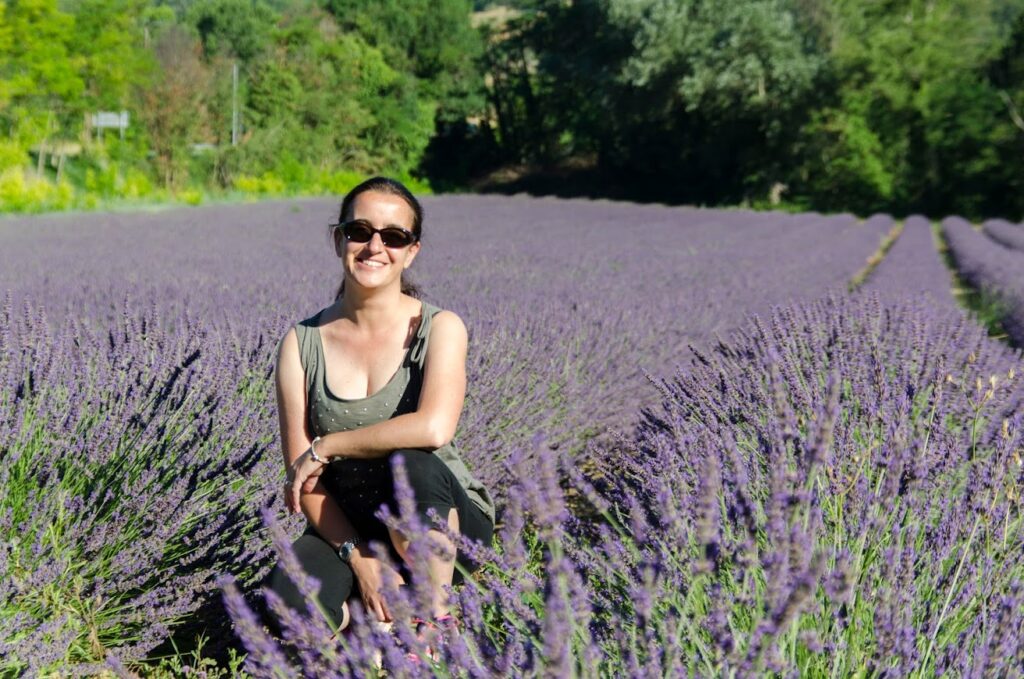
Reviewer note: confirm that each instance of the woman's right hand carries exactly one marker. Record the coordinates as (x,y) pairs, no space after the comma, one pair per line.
(372,574)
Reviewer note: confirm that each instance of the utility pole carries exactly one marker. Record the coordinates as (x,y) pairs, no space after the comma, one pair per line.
(234,104)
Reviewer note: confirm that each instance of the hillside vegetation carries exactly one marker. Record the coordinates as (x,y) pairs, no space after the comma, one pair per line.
(906,106)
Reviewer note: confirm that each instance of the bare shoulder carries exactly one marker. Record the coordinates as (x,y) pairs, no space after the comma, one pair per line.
(288,365)
(448,324)
(288,345)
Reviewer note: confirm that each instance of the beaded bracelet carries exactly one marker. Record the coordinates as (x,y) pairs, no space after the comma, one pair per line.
(312,450)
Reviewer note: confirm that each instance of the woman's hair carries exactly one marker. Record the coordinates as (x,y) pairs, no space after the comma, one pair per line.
(391,187)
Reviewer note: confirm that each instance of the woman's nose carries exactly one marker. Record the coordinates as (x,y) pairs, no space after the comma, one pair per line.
(376,244)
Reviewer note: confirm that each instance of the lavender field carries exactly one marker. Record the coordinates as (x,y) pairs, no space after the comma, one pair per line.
(711,457)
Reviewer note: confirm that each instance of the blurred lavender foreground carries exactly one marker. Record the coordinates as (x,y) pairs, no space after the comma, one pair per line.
(837,486)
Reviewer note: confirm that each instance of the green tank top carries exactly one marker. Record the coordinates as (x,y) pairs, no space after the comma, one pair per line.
(329,413)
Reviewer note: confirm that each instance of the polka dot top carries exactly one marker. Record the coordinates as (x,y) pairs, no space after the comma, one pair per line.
(329,413)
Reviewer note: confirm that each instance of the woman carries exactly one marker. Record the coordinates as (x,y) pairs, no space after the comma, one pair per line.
(376,374)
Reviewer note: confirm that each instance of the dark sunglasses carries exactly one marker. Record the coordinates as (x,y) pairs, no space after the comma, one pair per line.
(360,231)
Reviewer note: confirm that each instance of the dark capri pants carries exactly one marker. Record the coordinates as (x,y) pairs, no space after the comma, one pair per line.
(360,487)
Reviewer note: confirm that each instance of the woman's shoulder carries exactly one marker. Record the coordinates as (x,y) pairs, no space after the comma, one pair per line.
(437,314)
(299,329)
(311,321)
(447,323)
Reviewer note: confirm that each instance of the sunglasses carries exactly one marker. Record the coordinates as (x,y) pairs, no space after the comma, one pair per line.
(361,231)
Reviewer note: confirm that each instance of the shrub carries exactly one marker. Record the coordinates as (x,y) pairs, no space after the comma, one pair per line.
(266,184)
(20,191)
(191,196)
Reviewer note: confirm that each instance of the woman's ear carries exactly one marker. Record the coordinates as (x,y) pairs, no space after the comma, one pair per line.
(413,250)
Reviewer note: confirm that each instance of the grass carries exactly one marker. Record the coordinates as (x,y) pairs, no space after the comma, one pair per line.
(876,257)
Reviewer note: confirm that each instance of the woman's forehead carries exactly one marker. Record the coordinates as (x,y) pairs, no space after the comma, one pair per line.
(382,207)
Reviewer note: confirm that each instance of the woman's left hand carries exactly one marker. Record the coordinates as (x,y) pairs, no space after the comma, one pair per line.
(302,477)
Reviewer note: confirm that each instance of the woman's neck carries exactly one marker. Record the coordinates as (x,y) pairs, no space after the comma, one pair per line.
(371,309)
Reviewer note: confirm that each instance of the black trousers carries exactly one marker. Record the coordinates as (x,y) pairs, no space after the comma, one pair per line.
(360,487)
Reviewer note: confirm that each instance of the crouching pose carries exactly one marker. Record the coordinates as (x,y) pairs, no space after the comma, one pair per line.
(376,374)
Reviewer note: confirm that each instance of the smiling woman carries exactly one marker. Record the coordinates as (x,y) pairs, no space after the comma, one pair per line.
(374,376)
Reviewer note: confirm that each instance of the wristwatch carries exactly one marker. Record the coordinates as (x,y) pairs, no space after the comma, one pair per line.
(346,549)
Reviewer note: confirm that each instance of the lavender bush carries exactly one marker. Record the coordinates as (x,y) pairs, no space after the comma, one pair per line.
(1005,233)
(912,267)
(834,490)
(131,465)
(991,268)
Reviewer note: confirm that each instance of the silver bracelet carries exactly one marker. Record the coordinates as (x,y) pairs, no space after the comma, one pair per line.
(312,450)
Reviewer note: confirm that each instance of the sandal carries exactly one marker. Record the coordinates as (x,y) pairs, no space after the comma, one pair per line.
(433,632)
(384,628)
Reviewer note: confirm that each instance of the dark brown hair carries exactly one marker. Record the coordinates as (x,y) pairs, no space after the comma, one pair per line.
(391,187)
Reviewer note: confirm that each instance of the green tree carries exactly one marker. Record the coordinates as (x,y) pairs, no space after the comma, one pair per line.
(915,124)
(108,41)
(5,57)
(239,28)
(689,100)
(173,106)
(431,39)
(41,76)
(321,98)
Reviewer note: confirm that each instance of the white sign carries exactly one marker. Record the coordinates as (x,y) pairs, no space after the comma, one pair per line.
(110,119)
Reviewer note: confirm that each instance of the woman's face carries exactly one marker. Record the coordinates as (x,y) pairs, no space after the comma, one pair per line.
(371,265)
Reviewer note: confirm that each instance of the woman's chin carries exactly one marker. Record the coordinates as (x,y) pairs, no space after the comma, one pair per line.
(370,282)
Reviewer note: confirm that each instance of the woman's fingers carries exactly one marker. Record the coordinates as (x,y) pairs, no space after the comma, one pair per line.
(295,491)
(302,478)
(288,495)
(312,480)
(375,605)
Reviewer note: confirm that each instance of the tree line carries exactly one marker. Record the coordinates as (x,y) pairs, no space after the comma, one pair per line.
(902,106)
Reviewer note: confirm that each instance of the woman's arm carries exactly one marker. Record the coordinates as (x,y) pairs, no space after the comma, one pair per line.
(320,508)
(436,417)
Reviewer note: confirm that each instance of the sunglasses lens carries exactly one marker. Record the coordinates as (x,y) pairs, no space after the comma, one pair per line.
(357,232)
(395,238)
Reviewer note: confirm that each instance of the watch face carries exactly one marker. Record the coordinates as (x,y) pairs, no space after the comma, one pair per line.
(346,551)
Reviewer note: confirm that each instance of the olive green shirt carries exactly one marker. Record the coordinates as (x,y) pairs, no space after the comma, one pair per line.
(329,413)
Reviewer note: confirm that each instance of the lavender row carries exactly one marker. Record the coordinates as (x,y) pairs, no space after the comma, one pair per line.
(991,268)
(834,490)
(1005,233)
(912,267)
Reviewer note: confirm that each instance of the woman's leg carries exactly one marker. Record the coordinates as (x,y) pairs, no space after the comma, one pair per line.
(435,486)
(318,559)
(440,568)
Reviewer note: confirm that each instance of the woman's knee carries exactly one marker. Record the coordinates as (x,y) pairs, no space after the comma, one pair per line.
(426,472)
(316,558)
